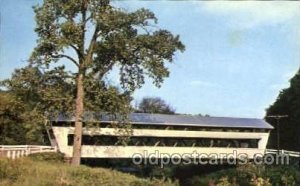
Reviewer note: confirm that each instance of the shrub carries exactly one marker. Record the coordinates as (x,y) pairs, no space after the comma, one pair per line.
(260,182)
(250,174)
(47,156)
(197,180)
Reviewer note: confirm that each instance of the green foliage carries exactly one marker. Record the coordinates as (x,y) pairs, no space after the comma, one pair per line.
(223,181)
(43,91)
(52,91)
(25,171)
(47,156)
(261,182)
(287,103)
(251,175)
(18,123)
(197,180)
(155,105)
(32,95)
(126,40)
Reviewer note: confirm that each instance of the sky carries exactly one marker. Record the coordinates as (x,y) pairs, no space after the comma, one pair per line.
(238,56)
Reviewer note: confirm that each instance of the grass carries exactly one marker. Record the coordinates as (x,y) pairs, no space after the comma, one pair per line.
(49,169)
(28,171)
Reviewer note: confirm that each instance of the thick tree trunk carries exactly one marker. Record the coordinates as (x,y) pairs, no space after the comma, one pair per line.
(78,121)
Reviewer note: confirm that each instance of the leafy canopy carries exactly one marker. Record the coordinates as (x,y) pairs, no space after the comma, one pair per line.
(16,122)
(103,37)
(52,92)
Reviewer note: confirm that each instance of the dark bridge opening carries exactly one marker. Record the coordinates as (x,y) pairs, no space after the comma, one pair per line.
(101,140)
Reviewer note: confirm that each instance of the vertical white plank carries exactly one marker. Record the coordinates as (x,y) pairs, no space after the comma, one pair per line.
(8,154)
(18,153)
(13,154)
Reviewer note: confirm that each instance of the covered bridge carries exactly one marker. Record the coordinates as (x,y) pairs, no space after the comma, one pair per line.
(149,133)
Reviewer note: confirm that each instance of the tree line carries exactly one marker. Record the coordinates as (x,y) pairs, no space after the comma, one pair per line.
(287,103)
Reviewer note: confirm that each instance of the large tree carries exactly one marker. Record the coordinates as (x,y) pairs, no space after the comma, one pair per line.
(287,103)
(33,95)
(95,37)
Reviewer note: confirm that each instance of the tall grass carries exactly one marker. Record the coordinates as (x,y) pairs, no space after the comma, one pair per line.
(28,172)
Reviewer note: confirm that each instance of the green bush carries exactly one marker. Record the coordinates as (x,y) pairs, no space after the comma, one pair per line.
(197,180)
(251,175)
(48,156)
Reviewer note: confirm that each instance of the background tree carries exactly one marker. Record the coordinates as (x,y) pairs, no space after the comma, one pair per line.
(29,92)
(154,105)
(287,103)
(16,126)
(95,37)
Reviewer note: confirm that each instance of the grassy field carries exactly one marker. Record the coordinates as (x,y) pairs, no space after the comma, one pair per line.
(26,171)
(49,169)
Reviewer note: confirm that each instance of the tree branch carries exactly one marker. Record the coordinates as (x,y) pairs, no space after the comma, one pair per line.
(81,44)
(92,45)
(109,66)
(66,56)
(87,19)
(76,50)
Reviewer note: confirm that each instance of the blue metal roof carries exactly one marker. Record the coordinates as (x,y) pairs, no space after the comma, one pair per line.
(177,120)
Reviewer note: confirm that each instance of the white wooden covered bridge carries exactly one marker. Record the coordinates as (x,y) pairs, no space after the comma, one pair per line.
(156,132)
(179,134)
